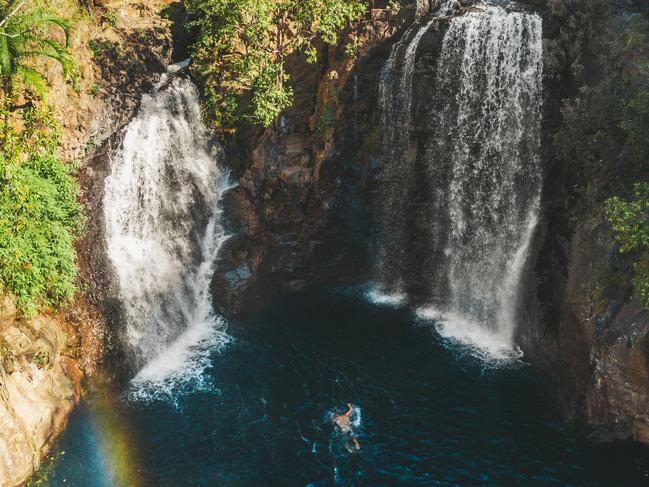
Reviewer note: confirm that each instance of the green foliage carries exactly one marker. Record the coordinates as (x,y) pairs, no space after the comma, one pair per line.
(25,36)
(394,5)
(95,89)
(109,18)
(630,220)
(242,47)
(351,47)
(39,215)
(40,359)
(326,121)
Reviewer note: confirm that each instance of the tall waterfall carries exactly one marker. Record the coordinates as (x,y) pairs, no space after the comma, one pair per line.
(484,173)
(163,230)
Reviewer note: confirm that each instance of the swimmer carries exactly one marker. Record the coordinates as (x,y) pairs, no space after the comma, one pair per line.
(353,446)
(342,420)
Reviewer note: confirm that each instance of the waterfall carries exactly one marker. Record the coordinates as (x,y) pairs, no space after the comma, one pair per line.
(163,231)
(395,98)
(491,129)
(483,169)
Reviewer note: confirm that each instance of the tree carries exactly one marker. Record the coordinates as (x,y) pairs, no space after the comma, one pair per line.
(25,35)
(242,47)
(630,220)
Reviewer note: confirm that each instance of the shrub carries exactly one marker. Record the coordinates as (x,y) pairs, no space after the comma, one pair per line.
(39,215)
(630,220)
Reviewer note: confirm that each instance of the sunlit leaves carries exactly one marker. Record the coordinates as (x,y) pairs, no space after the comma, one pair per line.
(242,46)
(29,33)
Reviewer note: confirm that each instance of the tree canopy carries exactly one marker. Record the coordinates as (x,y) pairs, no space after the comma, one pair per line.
(242,47)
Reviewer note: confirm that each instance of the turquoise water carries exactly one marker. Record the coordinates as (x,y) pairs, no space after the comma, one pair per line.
(429,414)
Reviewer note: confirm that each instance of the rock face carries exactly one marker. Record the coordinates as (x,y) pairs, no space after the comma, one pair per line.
(589,337)
(39,385)
(305,208)
(302,212)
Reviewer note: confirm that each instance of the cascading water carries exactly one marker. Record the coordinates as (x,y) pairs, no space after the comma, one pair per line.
(163,230)
(484,173)
(492,62)
(395,93)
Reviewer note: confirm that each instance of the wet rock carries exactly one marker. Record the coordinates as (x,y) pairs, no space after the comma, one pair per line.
(238,278)
(588,336)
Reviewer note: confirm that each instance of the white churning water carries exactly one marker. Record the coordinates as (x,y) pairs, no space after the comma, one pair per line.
(163,230)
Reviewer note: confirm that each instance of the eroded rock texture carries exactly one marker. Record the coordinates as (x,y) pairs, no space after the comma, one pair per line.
(36,392)
(305,210)
(589,338)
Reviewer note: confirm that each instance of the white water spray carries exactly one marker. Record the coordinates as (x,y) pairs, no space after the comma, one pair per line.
(483,172)
(163,229)
(492,61)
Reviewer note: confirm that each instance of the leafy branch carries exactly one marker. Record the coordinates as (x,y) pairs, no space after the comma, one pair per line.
(243,45)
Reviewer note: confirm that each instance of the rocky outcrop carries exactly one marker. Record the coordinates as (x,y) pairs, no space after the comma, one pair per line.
(301,213)
(42,361)
(118,48)
(589,337)
(591,343)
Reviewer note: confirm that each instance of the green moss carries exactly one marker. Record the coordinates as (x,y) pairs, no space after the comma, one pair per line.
(100,46)
(327,121)
(40,360)
(109,18)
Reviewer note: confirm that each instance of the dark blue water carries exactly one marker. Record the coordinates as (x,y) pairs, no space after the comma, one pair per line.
(431,415)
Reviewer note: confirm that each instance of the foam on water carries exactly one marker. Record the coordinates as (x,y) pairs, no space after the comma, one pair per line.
(181,368)
(379,297)
(491,347)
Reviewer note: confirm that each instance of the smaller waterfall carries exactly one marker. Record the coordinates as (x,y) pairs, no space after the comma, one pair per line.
(163,230)
(395,98)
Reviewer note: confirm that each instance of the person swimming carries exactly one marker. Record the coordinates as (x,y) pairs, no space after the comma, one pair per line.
(342,422)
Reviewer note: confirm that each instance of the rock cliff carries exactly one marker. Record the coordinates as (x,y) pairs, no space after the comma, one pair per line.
(302,211)
(42,363)
(305,209)
(589,337)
